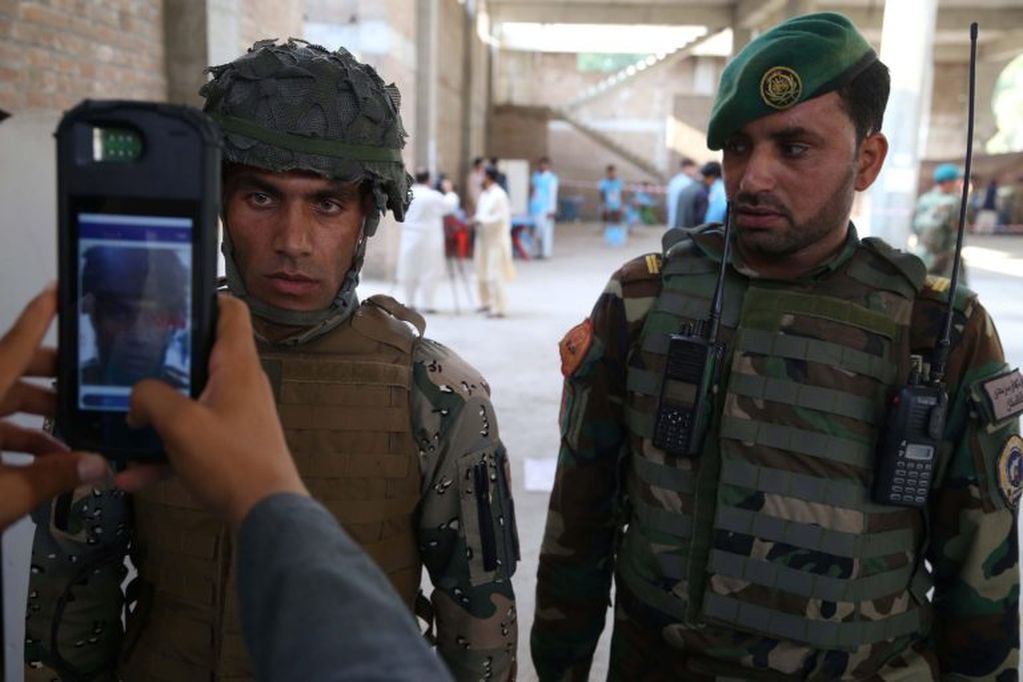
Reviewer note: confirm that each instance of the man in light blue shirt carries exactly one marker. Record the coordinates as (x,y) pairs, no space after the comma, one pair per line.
(543,205)
(717,203)
(685,176)
(611,190)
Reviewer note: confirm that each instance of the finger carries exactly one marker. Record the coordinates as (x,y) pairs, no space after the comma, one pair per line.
(43,363)
(16,438)
(27,486)
(25,397)
(154,403)
(139,476)
(19,344)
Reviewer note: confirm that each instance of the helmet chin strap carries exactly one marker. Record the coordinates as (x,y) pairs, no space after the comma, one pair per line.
(312,323)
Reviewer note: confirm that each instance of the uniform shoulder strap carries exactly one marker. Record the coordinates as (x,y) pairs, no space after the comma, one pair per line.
(399,311)
(908,265)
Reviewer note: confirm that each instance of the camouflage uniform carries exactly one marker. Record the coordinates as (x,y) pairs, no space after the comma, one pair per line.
(935,223)
(765,517)
(393,433)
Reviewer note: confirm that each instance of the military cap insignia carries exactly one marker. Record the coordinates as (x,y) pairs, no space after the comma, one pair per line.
(780,87)
(1010,470)
(574,346)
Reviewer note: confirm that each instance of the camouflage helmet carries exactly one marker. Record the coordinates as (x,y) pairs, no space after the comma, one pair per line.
(132,273)
(298,106)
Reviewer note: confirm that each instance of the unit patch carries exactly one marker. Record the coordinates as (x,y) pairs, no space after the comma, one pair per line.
(574,346)
(1010,470)
(780,87)
(1000,398)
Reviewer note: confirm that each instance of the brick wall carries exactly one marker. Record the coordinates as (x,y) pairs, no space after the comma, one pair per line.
(53,53)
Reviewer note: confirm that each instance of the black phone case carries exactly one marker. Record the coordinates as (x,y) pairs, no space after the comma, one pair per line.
(180,162)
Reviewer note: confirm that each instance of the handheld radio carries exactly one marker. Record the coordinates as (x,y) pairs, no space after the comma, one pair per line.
(908,446)
(691,375)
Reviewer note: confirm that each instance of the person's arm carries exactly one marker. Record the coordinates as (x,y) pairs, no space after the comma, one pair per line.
(467,535)
(577,554)
(972,544)
(301,582)
(73,615)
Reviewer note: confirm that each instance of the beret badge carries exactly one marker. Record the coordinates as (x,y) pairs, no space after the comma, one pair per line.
(780,87)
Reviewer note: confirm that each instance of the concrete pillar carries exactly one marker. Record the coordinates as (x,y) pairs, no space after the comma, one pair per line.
(425,136)
(468,36)
(908,55)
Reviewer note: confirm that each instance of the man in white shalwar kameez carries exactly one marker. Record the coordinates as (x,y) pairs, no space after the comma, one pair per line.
(421,257)
(493,246)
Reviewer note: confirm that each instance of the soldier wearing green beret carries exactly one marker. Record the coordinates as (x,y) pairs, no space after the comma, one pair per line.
(392,432)
(765,555)
(936,222)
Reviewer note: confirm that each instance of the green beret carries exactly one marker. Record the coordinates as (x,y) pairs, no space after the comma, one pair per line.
(799,59)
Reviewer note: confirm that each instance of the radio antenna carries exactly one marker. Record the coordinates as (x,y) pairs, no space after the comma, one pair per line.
(941,350)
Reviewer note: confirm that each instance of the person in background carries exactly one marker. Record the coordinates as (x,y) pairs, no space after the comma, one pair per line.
(473,185)
(936,222)
(686,175)
(611,191)
(502,178)
(421,255)
(543,206)
(493,247)
(694,199)
(717,202)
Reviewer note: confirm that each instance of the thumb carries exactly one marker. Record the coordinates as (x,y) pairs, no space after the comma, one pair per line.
(154,403)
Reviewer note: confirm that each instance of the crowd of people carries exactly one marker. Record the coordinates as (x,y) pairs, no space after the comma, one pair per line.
(337,452)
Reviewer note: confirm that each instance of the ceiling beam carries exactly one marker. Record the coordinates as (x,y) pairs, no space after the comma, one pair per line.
(595,12)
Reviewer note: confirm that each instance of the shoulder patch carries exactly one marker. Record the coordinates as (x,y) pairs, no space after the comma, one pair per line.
(1010,470)
(1000,398)
(653,263)
(574,346)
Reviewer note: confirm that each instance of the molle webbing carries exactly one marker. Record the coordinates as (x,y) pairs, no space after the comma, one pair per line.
(801,441)
(763,309)
(813,537)
(815,350)
(823,634)
(802,583)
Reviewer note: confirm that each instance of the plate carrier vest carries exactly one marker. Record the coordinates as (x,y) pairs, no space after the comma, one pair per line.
(772,530)
(344,400)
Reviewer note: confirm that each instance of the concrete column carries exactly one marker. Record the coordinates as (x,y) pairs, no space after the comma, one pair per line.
(425,139)
(468,36)
(908,55)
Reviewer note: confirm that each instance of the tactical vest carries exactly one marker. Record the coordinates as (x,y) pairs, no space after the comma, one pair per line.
(771,530)
(344,401)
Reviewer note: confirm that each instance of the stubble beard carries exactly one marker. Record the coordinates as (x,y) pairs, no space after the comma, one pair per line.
(796,237)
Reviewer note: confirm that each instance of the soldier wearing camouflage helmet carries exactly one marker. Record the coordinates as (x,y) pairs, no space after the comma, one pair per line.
(765,555)
(393,432)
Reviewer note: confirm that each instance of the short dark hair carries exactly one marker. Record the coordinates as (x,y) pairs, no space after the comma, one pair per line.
(544,159)
(422,176)
(865,98)
(492,173)
(686,162)
(478,161)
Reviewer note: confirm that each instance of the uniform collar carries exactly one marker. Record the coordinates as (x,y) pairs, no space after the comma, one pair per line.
(709,239)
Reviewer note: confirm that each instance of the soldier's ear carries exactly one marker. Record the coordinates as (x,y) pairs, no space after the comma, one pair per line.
(869,158)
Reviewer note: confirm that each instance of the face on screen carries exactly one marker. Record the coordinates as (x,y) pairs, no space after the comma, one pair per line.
(134,305)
